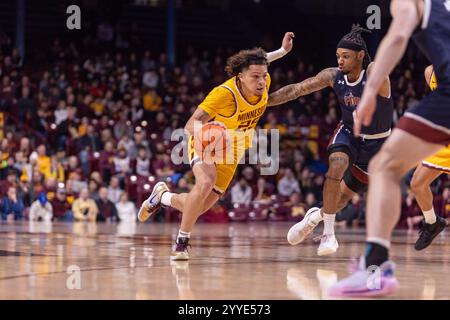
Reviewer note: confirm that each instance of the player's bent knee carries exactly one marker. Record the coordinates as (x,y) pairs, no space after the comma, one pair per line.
(418,185)
(206,185)
(337,166)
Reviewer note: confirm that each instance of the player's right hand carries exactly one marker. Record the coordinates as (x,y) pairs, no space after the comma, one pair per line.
(288,41)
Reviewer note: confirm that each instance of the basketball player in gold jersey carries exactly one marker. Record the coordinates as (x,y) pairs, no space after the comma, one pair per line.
(238,104)
(426,172)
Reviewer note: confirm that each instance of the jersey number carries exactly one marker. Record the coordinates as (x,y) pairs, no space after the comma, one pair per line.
(248,124)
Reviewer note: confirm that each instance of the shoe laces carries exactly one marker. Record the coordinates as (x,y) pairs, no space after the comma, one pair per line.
(182,244)
(424,229)
(322,236)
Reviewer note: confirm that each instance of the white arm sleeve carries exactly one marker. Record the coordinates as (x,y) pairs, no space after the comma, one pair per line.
(277,54)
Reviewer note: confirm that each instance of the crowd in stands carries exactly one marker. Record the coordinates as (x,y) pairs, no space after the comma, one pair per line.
(84,137)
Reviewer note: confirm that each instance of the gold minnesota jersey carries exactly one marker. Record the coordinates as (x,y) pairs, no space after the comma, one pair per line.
(226,104)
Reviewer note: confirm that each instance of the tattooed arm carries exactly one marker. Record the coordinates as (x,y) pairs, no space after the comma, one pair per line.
(323,79)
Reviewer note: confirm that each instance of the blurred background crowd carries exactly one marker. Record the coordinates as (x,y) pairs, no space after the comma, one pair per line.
(86,125)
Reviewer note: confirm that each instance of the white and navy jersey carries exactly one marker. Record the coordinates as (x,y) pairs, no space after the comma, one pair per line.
(349,94)
(433,38)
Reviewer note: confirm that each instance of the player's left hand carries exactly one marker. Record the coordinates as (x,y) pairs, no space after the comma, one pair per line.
(288,41)
(364,112)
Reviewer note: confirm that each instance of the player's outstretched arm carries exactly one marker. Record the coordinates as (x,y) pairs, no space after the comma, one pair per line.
(405,18)
(286,47)
(323,79)
(385,89)
(198,115)
(392,47)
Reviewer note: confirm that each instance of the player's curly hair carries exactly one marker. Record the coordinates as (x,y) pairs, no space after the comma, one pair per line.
(354,40)
(243,59)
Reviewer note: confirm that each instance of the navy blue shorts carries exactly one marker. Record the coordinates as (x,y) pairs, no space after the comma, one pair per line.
(430,118)
(359,151)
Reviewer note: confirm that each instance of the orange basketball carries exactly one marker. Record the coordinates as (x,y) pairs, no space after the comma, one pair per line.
(211,142)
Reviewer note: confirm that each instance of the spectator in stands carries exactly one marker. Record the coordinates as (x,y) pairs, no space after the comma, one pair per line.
(128,144)
(310,200)
(91,139)
(142,162)
(121,164)
(84,208)
(106,161)
(296,207)
(352,214)
(61,207)
(41,209)
(72,165)
(412,211)
(182,186)
(43,161)
(106,209)
(20,162)
(37,185)
(249,174)
(241,193)
(273,123)
(114,190)
(151,101)
(126,210)
(263,192)
(25,103)
(77,182)
(11,181)
(61,112)
(288,184)
(11,208)
(163,166)
(93,188)
(55,171)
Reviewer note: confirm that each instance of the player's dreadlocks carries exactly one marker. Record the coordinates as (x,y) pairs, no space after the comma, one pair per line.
(354,41)
(244,58)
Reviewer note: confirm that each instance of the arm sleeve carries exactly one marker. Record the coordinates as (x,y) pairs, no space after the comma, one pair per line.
(277,54)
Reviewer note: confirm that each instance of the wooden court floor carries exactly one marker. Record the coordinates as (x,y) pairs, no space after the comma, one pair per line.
(228,261)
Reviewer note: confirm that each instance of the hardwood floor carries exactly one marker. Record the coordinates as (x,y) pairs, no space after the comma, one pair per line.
(228,261)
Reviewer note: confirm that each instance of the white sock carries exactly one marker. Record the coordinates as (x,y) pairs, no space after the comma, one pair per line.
(430,216)
(328,223)
(382,242)
(183,234)
(166,198)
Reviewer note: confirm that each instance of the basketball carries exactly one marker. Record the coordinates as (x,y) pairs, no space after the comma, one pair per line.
(211,142)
